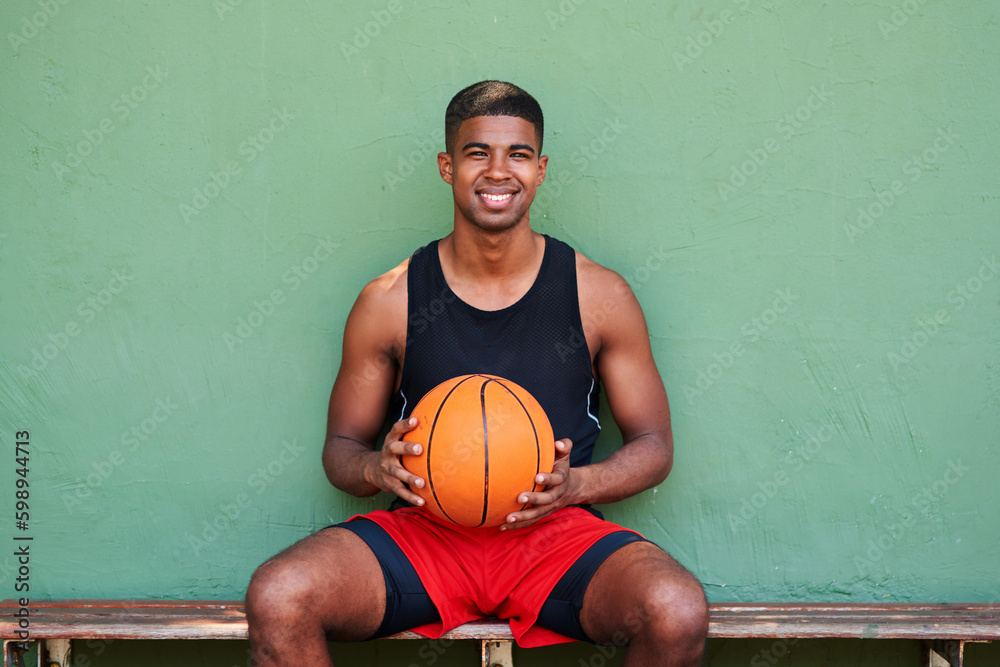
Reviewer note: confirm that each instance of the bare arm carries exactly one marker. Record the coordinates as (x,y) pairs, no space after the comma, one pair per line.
(360,396)
(638,403)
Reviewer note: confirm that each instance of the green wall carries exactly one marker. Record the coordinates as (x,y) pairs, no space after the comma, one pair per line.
(804,197)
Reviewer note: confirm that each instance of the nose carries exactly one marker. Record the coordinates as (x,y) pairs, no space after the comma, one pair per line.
(498,169)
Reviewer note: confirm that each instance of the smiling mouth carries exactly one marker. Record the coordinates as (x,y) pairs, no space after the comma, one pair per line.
(496,201)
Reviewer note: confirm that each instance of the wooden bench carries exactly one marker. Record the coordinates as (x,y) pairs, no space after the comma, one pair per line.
(945,628)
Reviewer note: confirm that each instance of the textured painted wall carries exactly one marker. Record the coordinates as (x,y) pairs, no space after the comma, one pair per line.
(804,197)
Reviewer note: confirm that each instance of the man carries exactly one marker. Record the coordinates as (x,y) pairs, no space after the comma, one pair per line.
(491,297)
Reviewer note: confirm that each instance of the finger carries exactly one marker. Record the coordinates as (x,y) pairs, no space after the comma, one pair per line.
(407,477)
(402,447)
(554,478)
(523,518)
(560,471)
(394,439)
(398,488)
(536,498)
(563,448)
(401,427)
(399,480)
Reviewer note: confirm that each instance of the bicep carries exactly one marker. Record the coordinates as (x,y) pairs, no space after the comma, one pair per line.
(364,383)
(632,383)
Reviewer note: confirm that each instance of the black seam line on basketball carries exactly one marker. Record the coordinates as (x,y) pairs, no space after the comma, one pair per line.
(486,452)
(430,438)
(538,446)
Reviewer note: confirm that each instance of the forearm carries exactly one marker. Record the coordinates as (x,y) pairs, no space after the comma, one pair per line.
(640,464)
(345,461)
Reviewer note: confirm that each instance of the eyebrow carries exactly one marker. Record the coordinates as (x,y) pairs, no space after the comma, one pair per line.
(513,147)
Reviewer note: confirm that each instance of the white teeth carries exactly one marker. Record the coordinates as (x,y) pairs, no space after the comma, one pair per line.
(497,197)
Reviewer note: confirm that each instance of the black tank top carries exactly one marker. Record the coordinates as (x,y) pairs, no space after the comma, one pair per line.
(537,342)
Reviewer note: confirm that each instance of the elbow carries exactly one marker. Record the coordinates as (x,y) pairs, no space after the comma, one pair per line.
(331,473)
(332,469)
(664,469)
(667,457)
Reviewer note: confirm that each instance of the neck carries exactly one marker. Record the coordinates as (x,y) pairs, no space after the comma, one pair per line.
(474,253)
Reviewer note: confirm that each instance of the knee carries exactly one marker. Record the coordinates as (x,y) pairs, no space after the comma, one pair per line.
(278,589)
(677,612)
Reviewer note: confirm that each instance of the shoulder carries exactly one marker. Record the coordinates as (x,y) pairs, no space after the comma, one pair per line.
(609,311)
(380,311)
(599,284)
(387,291)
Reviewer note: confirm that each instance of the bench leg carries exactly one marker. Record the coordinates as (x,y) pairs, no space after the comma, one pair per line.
(54,653)
(943,653)
(13,653)
(497,653)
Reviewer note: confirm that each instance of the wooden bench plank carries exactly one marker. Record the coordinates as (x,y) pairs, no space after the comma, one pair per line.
(199,619)
(857,620)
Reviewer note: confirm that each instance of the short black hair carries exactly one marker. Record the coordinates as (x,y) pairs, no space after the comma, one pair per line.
(491,98)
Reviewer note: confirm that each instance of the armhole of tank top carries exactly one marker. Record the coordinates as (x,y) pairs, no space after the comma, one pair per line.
(577,314)
(431,248)
(578,322)
(402,370)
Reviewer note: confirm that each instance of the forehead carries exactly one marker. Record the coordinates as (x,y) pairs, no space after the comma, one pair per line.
(496,130)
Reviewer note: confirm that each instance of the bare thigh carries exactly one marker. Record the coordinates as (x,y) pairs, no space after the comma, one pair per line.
(331,578)
(635,588)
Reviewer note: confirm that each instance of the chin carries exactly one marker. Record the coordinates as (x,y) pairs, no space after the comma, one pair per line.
(495,225)
(490,221)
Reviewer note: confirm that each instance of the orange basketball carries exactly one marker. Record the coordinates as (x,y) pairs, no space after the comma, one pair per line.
(485,438)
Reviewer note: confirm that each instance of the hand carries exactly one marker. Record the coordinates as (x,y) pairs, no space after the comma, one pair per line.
(384,468)
(560,490)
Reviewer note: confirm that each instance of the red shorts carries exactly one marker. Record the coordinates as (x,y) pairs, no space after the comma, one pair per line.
(471,573)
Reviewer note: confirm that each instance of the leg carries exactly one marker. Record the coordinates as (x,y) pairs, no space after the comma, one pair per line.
(643,597)
(329,585)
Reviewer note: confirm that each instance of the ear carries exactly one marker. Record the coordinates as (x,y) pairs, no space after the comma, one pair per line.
(543,163)
(445,167)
